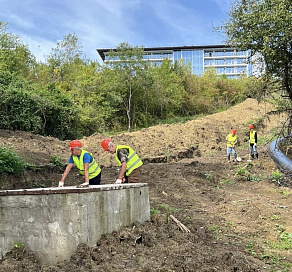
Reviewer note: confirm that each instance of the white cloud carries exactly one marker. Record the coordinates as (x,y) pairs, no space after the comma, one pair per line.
(39,47)
(103,24)
(20,22)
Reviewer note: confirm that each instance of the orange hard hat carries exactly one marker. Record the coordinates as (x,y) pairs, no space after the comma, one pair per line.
(105,143)
(234,131)
(251,127)
(75,143)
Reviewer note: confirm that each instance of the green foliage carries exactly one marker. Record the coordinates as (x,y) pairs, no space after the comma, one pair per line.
(285,239)
(11,162)
(70,96)
(15,57)
(19,245)
(154,211)
(57,161)
(277,177)
(278,263)
(168,208)
(50,114)
(228,181)
(129,76)
(265,28)
(251,248)
(217,231)
(255,177)
(242,171)
(210,176)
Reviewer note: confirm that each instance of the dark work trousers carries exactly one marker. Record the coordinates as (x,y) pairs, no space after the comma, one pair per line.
(95,180)
(134,176)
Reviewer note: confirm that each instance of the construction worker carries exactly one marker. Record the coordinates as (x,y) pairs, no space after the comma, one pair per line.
(127,159)
(253,139)
(231,143)
(85,162)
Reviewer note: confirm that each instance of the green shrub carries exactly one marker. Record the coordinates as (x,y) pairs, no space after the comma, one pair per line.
(11,162)
(44,112)
(277,177)
(57,161)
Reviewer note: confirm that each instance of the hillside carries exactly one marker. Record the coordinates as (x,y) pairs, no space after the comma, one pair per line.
(201,135)
(233,215)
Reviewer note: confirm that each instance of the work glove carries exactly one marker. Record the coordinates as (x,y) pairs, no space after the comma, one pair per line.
(61,184)
(255,144)
(85,184)
(118,181)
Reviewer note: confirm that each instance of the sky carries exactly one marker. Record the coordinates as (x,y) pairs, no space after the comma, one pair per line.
(100,24)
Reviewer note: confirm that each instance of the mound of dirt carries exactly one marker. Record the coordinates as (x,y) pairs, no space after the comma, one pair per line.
(232,214)
(154,144)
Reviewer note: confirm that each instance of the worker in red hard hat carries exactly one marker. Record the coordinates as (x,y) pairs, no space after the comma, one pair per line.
(253,139)
(231,144)
(127,159)
(85,162)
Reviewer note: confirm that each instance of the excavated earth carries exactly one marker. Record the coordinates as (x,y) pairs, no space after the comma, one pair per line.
(233,215)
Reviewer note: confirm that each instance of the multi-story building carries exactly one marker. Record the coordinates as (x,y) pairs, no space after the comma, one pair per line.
(224,59)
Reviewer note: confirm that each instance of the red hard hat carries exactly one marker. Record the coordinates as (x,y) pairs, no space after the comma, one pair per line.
(105,143)
(75,143)
(234,131)
(251,127)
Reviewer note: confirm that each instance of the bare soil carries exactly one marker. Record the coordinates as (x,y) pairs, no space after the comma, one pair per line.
(233,215)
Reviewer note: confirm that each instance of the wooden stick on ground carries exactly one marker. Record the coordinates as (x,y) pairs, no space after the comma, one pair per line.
(181,225)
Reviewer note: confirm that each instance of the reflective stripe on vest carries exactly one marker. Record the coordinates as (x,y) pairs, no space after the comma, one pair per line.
(232,139)
(252,136)
(94,168)
(133,161)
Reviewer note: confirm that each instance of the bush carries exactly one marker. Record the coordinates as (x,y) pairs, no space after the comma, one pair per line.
(49,114)
(11,162)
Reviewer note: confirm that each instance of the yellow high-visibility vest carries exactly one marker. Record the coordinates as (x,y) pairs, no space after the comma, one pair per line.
(252,136)
(231,140)
(94,169)
(133,161)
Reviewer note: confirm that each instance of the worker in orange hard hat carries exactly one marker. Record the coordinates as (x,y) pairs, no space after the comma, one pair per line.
(85,162)
(253,139)
(231,144)
(127,159)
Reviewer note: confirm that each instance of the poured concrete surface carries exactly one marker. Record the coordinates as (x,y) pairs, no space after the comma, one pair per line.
(53,221)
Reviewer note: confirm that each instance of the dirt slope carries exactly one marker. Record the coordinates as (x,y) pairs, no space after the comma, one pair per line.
(234,218)
(202,136)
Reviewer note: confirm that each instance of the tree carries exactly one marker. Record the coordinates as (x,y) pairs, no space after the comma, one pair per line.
(128,74)
(264,26)
(168,89)
(67,51)
(67,70)
(15,57)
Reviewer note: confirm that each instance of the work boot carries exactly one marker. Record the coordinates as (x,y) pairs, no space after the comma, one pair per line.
(252,156)
(257,155)
(228,157)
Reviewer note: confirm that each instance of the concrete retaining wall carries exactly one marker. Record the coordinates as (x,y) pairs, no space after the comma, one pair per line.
(53,221)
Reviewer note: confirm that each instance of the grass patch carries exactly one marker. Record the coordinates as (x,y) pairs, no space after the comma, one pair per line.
(228,181)
(169,209)
(154,211)
(277,177)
